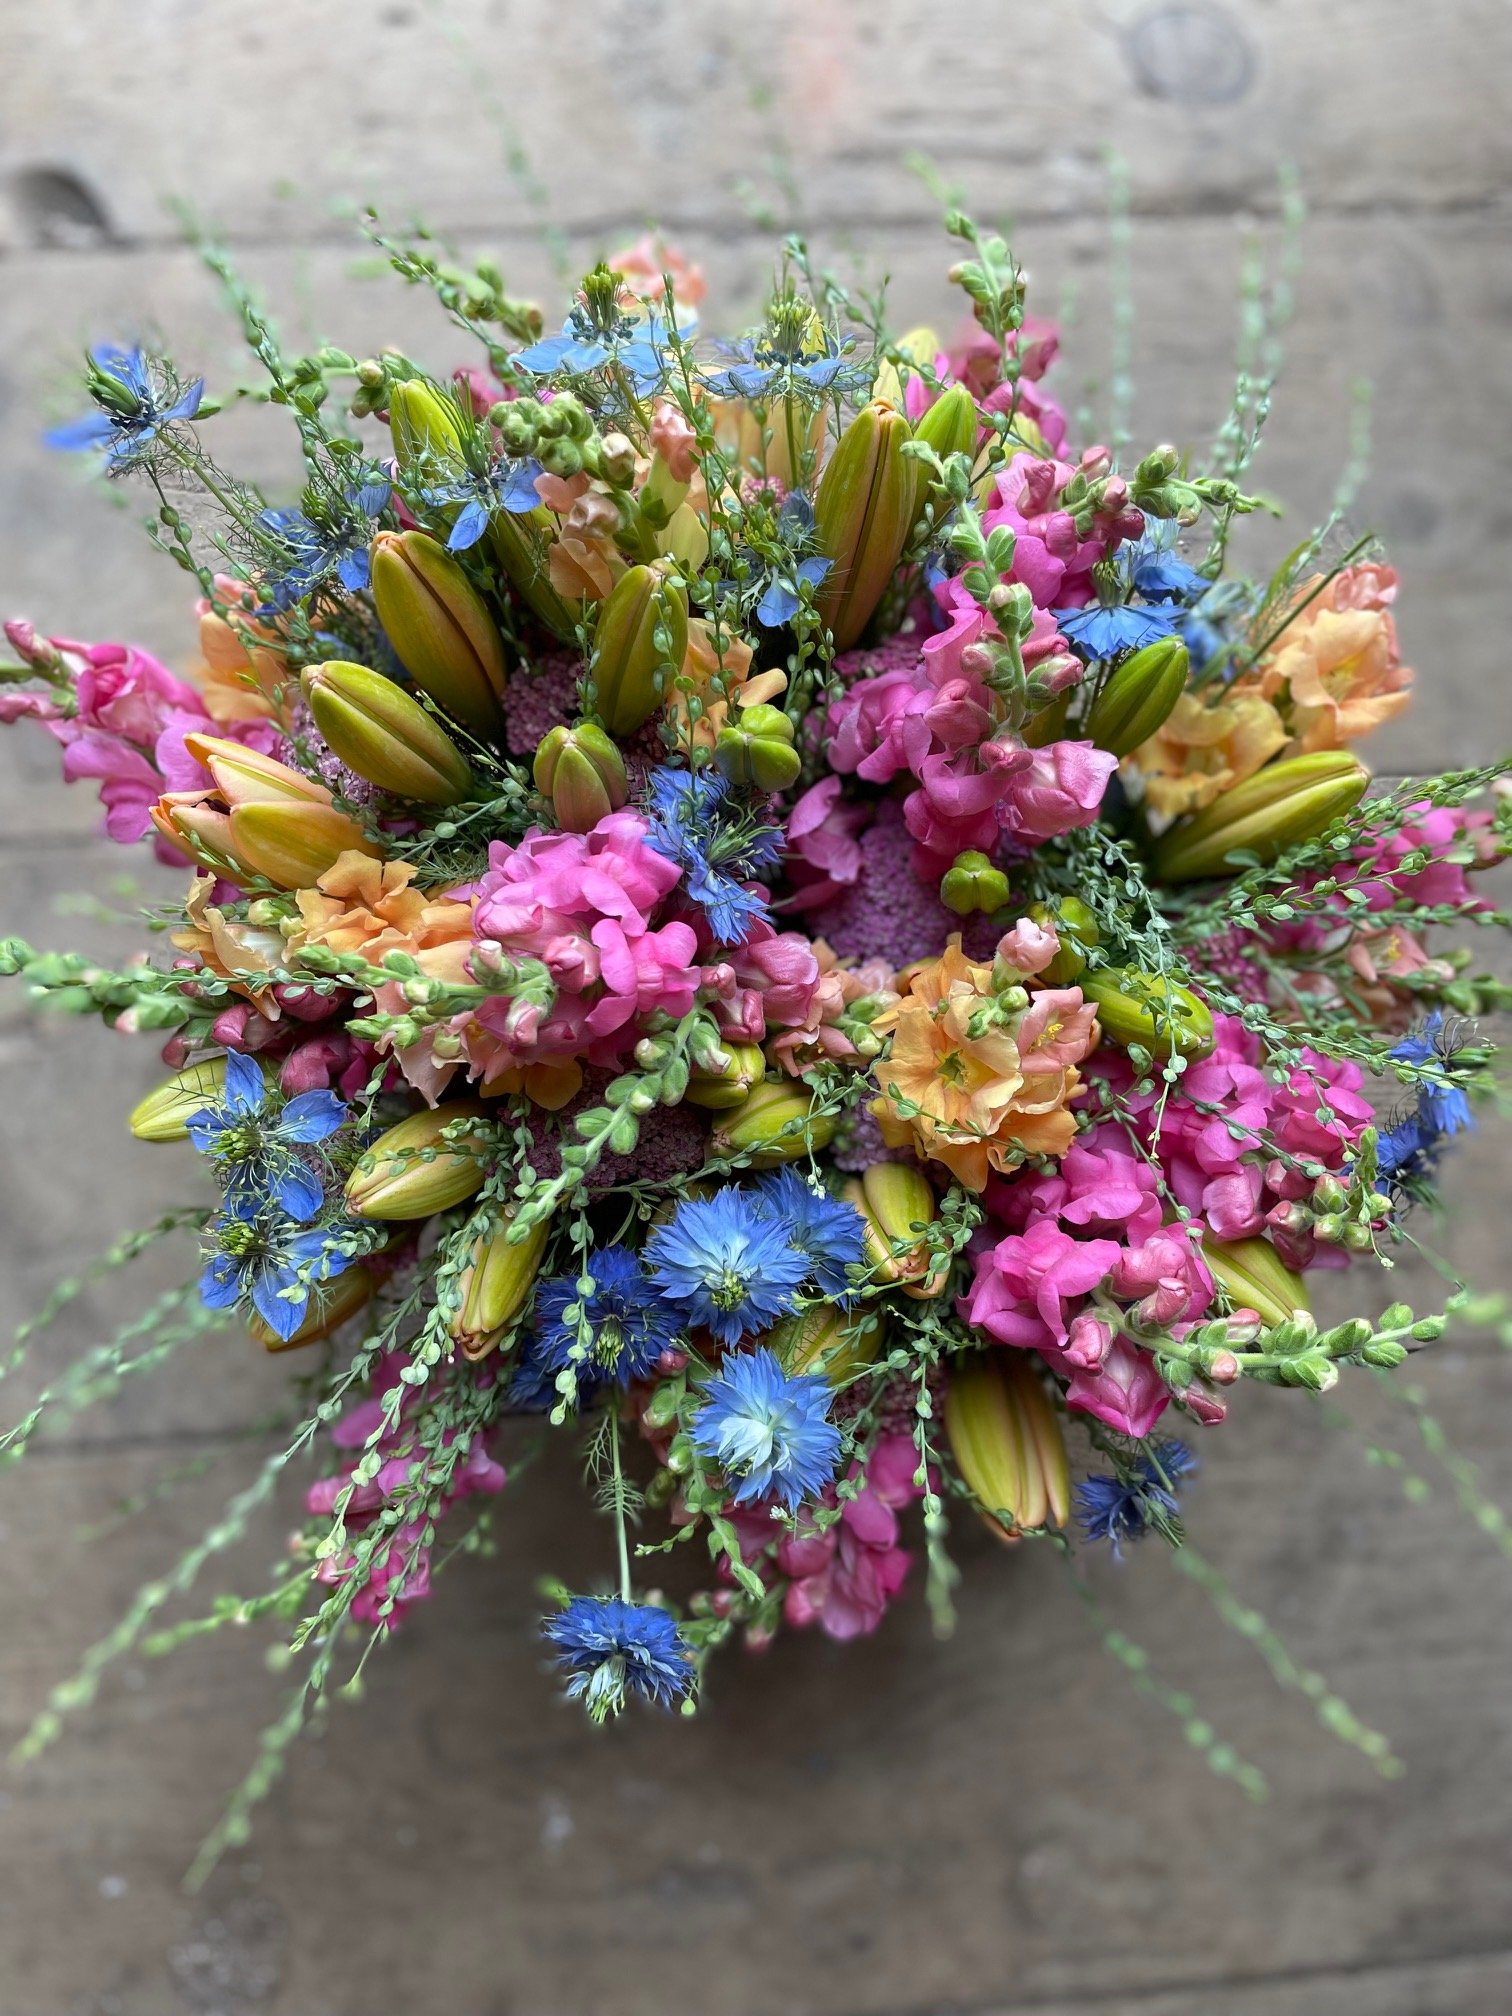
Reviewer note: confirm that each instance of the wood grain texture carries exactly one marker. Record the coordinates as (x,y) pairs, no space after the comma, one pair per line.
(990,1826)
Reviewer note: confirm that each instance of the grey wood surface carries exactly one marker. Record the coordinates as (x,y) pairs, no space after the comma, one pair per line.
(995,1825)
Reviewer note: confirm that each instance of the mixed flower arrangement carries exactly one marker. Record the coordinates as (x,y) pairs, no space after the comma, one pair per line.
(754,904)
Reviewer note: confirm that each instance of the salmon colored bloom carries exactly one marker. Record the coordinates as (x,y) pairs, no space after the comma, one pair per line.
(245,676)
(1205,748)
(650,262)
(370,907)
(237,950)
(1334,671)
(720,676)
(584,561)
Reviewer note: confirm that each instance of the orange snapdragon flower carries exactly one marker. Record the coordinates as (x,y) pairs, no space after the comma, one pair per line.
(1204,748)
(583,561)
(245,676)
(1334,671)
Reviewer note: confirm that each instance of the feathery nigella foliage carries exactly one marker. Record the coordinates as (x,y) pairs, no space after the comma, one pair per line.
(758,904)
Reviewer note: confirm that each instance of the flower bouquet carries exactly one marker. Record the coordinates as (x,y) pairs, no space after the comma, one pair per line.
(752,904)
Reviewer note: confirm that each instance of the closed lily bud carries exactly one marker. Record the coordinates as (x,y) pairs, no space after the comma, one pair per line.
(1076,928)
(1150,1010)
(728,1086)
(1007,1443)
(292,846)
(164,1114)
(971,883)
(441,628)
(768,1125)
(411,1172)
(496,1287)
(834,1343)
(423,422)
(950,427)
(627,660)
(520,543)
(919,346)
(583,774)
(1137,696)
(385,735)
(1254,1276)
(202,831)
(1280,806)
(244,776)
(895,1201)
(331,1303)
(756,747)
(863,513)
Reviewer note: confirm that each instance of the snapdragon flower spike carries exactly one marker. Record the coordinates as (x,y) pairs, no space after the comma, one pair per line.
(722,1263)
(768,1430)
(255,1146)
(1123,1508)
(136,399)
(311,548)
(828,1232)
(697,822)
(610,1650)
(507,486)
(622,1332)
(264,1260)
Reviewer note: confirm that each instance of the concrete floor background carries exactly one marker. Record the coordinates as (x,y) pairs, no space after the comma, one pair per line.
(997,1825)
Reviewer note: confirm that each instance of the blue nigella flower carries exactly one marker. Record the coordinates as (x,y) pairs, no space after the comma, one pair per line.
(507,486)
(1163,576)
(1204,640)
(1116,1509)
(256,1147)
(267,1261)
(311,552)
(610,1649)
(1442,1108)
(629,1325)
(1405,1149)
(696,822)
(759,364)
(586,344)
(722,1263)
(1103,630)
(781,599)
(135,399)
(827,1231)
(768,1430)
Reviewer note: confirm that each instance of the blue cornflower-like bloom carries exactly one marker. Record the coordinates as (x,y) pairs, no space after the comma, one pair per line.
(697,822)
(610,1649)
(589,342)
(827,1231)
(1116,1509)
(721,1262)
(1442,1108)
(310,552)
(256,1147)
(266,1260)
(135,399)
(1104,630)
(768,1430)
(629,1325)
(1162,576)
(507,486)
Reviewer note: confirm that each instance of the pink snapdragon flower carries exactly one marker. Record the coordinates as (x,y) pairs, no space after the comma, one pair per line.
(823,844)
(1024,1286)
(1058,790)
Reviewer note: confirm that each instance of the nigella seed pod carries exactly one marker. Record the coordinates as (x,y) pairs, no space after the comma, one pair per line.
(1150,1010)
(386,736)
(1007,1443)
(730,1085)
(628,661)
(863,513)
(496,1286)
(413,1172)
(774,1123)
(582,772)
(1280,806)
(164,1114)
(896,1201)
(331,1303)
(757,748)
(441,628)
(1137,696)
(971,883)
(1254,1276)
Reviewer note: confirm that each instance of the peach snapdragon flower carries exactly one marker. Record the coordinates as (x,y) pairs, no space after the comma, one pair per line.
(1204,748)
(720,676)
(583,561)
(245,676)
(1334,671)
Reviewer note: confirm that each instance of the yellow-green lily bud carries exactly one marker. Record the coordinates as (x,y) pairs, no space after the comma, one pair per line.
(331,1303)
(951,427)
(294,845)
(776,1122)
(971,883)
(1279,807)
(757,748)
(863,514)
(384,734)
(520,542)
(1137,696)
(1149,1010)
(496,1286)
(441,628)
(919,346)
(412,1172)
(832,1342)
(164,1114)
(728,1086)
(1254,1276)
(583,774)
(896,1202)
(423,421)
(1007,1443)
(629,665)
(1076,928)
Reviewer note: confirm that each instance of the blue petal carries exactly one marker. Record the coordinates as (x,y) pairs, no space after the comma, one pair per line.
(354,569)
(519,493)
(206,1127)
(188,404)
(296,1190)
(92,431)
(371,497)
(777,606)
(472,523)
(311,1116)
(281,1314)
(220,1283)
(246,1088)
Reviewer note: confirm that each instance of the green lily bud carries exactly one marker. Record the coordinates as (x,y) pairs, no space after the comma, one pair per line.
(1007,1443)
(1147,1010)
(164,1114)
(950,427)
(863,513)
(411,1172)
(441,628)
(971,883)
(626,658)
(769,1125)
(386,736)
(1254,1276)
(832,1342)
(583,774)
(520,543)
(896,1201)
(422,421)
(1137,696)
(757,748)
(293,845)
(1076,927)
(1280,806)
(496,1286)
(728,1086)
